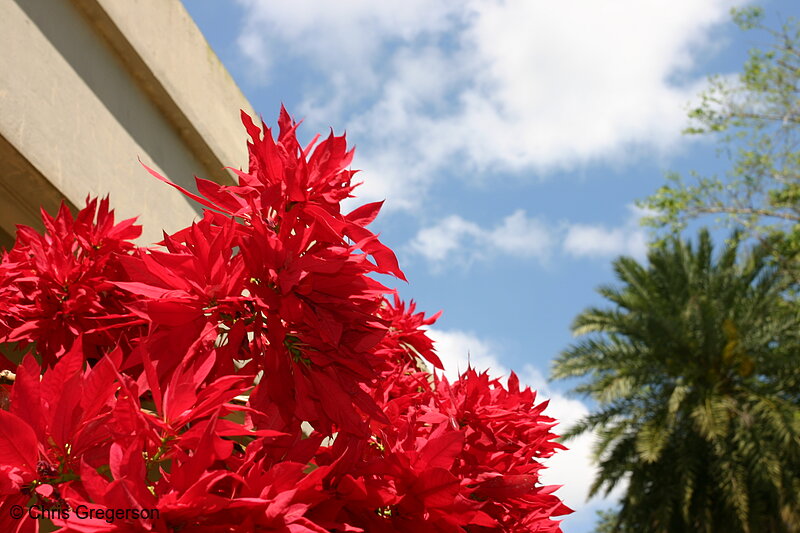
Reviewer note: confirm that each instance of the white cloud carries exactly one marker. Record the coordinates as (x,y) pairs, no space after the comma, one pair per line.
(521,235)
(252,45)
(346,42)
(449,236)
(459,350)
(585,240)
(455,239)
(474,86)
(572,468)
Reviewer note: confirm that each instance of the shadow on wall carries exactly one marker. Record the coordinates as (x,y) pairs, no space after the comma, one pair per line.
(70,34)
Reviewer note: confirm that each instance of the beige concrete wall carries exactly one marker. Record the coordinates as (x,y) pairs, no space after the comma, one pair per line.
(89,86)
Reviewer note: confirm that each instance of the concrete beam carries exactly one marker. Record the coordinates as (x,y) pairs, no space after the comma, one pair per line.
(24,191)
(89,86)
(169,58)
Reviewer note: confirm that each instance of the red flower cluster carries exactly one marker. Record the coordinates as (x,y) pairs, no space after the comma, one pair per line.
(249,374)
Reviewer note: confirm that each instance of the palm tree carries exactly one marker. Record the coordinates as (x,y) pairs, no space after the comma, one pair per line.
(694,374)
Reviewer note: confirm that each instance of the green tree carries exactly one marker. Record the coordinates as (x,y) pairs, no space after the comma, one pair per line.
(692,371)
(606,521)
(756,119)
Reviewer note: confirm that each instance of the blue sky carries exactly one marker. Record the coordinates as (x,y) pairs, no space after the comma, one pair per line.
(510,140)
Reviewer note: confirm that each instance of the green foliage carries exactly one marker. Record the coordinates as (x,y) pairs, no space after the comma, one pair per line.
(693,369)
(756,120)
(606,521)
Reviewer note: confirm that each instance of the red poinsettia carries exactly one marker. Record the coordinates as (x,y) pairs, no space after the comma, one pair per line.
(311,308)
(57,286)
(249,374)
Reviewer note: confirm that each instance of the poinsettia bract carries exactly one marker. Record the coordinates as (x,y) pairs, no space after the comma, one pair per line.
(249,373)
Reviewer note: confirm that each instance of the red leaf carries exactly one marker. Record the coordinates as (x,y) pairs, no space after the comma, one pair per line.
(365,214)
(509,486)
(26,400)
(198,199)
(18,443)
(440,452)
(436,487)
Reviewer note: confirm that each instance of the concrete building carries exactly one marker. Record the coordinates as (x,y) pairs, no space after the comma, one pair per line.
(88,87)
